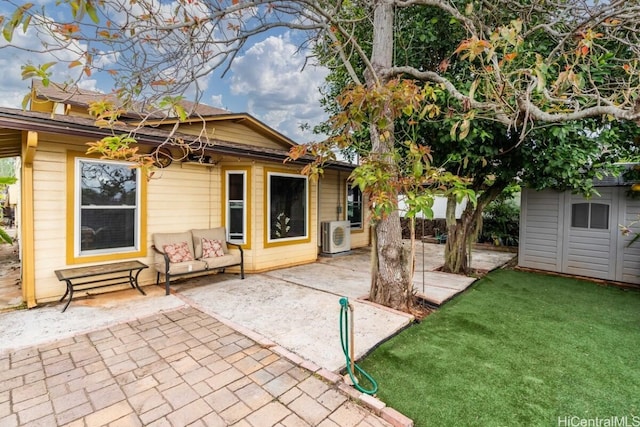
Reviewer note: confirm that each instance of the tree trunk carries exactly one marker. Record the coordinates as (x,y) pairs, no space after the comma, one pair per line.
(391,277)
(463,232)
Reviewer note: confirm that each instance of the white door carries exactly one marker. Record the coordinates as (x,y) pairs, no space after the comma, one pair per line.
(590,238)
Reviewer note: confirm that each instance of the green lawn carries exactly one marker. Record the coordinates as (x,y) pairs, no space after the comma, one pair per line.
(518,349)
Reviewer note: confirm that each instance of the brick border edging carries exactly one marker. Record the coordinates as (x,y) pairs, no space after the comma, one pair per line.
(375,405)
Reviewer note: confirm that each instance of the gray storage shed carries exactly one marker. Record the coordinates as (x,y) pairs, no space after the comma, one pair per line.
(567,233)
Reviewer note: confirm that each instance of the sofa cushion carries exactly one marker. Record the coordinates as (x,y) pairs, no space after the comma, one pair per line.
(211,248)
(161,239)
(217,233)
(222,261)
(178,252)
(182,267)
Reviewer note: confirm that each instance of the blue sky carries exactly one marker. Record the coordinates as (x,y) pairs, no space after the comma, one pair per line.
(266,80)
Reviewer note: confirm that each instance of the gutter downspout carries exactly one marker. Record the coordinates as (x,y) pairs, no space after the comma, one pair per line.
(27,237)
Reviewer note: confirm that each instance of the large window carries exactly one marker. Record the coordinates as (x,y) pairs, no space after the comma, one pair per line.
(590,215)
(236,215)
(287,207)
(107,204)
(354,206)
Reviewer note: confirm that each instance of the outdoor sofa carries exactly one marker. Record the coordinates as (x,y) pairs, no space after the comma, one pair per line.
(194,251)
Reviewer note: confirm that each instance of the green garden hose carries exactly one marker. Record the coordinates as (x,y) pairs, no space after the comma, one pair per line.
(344,340)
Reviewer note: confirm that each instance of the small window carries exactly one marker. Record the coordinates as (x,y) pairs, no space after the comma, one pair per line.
(580,215)
(590,215)
(236,211)
(354,206)
(599,216)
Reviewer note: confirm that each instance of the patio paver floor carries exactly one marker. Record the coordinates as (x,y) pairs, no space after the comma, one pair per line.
(175,368)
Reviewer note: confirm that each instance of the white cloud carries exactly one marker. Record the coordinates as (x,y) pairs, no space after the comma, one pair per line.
(279,91)
(90,84)
(216,101)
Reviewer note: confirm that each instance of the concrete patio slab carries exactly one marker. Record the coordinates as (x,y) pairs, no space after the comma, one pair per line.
(437,287)
(301,319)
(46,324)
(347,279)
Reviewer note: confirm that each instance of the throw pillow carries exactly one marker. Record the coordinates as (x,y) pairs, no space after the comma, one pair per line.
(178,252)
(211,248)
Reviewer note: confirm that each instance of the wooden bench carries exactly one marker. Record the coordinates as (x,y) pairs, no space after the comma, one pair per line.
(117,273)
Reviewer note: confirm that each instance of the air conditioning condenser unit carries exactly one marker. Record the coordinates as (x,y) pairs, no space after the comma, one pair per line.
(336,236)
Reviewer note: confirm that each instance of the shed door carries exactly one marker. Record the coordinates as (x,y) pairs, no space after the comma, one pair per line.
(591,235)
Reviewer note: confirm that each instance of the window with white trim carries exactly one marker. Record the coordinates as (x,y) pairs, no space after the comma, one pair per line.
(107,203)
(287,197)
(236,215)
(590,215)
(354,206)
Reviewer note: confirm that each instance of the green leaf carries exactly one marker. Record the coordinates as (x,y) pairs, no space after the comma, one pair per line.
(4,237)
(7,180)
(46,66)
(7,31)
(92,11)
(427,212)
(26,22)
(182,114)
(25,101)
(418,169)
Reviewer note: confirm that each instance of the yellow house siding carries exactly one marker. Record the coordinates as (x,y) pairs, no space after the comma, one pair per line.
(238,132)
(333,193)
(183,197)
(230,131)
(45,106)
(49,228)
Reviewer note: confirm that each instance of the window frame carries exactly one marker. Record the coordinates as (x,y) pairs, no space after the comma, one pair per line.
(361,226)
(227,207)
(268,241)
(74,253)
(590,216)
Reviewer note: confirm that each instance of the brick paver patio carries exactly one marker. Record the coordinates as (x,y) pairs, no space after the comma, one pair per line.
(180,368)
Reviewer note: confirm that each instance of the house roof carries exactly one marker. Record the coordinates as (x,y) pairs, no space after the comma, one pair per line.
(76,96)
(13,121)
(198,112)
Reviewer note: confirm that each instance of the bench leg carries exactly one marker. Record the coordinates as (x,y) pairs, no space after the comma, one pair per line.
(134,281)
(166,284)
(70,292)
